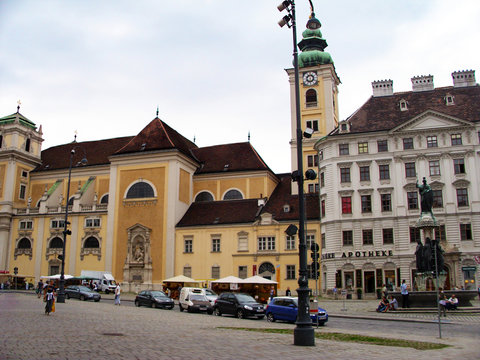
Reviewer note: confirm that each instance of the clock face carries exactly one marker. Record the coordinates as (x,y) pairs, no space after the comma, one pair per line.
(310,78)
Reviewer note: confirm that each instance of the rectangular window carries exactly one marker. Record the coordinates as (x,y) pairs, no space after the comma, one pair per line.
(367,236)
(459,166)
(242,242)
(322,179)
(188,245)
(386,202)
(324,245)
(57,224)
(312,124)
(266,243)
(382,145)
(346,204)
(407,143)
(24,174)
(242,272)
(215,245)
(466,231)
(462,197)
(440,233)
(387,236)
(364,173)
(347,236)
(345,175)
(26,225)
(363,147)
(290,272)
(187,271)
(412,200)
(437,199)
(414,234)
(312,160)
(323,208)
(343,149)
(456,139)
(384,172)
(92,222)
(23,190)
(366,203)
(309,239)
(290,242)
(313,188)
(410,170)
(434,167)
(432,141)
(215,272)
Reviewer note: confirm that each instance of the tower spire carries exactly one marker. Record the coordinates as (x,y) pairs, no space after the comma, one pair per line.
(157,111)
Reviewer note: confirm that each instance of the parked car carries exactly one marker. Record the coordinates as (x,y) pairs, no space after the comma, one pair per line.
(285,308)
(81,292)
(211,296)
(194,299)
(154,298)
(238,304)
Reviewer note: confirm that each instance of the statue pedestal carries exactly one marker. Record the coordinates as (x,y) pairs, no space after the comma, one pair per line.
(426,282)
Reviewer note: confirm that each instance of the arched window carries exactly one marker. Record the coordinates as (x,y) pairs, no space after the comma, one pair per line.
(204,196)
(104,199)
(233,195)
(91,242)
(311,97)
(70,201)
(140,189)
(24,244)
(56,243)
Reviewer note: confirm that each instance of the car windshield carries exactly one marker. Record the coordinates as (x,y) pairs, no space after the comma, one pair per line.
(198,297)
(84,288)
(209,292)
(245,298)
(158,294)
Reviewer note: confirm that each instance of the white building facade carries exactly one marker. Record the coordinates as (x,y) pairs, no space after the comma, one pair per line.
(368,168)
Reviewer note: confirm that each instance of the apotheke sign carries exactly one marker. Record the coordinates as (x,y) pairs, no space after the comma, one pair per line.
(359,254)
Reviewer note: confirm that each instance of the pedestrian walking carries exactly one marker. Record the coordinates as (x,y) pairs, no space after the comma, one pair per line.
(288,292)
(39,288)
(404,292)
(117,294)
(49,298)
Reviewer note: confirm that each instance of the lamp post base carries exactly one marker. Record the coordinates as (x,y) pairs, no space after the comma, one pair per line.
(304,336)
(61,292)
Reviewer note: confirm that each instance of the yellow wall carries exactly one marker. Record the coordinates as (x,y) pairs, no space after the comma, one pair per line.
(184,187)
(149,214)
(102,186)
(3,167)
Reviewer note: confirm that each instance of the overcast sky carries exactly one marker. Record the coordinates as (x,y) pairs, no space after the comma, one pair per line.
(215,68)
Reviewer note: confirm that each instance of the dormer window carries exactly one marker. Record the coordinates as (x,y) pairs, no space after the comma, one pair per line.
(344,126)
(403,105)
(449,100)
(286,208)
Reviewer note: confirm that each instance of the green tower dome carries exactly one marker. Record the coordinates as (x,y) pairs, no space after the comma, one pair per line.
(312,45)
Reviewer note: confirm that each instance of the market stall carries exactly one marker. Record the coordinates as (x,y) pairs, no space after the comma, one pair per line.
(174,284)
(229,283)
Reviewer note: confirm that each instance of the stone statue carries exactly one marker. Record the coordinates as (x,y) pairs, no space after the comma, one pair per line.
(426,195)
(427,255)
(419,256)
(138,255)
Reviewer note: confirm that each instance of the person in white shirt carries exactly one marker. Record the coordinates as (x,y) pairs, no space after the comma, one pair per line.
(117,295)
(452,303)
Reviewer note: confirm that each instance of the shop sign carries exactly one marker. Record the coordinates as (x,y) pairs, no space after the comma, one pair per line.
(469,268)
(358,254)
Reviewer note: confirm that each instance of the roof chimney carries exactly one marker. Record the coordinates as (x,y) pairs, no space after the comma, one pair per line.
(382,88)
(463,78)
(422,83)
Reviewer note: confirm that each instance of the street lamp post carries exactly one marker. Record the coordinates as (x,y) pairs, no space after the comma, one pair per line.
(66,231)
(303,333)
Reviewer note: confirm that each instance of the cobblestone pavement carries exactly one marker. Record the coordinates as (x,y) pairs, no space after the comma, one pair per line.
(87,330)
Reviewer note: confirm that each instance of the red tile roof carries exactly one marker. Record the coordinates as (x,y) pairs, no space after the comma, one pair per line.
(97,153)
(383,112)
(157,135)
(229,157)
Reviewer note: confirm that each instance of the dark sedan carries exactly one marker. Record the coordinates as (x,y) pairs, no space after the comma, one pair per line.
(238,304)
(82,293)
(154,298)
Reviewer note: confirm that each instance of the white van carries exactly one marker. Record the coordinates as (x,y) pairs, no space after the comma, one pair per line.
(194,299)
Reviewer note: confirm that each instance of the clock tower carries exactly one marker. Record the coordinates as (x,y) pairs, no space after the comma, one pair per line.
(318,97)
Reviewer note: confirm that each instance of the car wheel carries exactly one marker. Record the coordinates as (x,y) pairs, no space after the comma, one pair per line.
(209,312)
(260,317)
(189,309)
(106,291)
(321,323)
(67,296)
(181,307)
(218,312)
(97,300)
(82,297)
(270,317)
(152,304)
(137,304)
(240,314)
